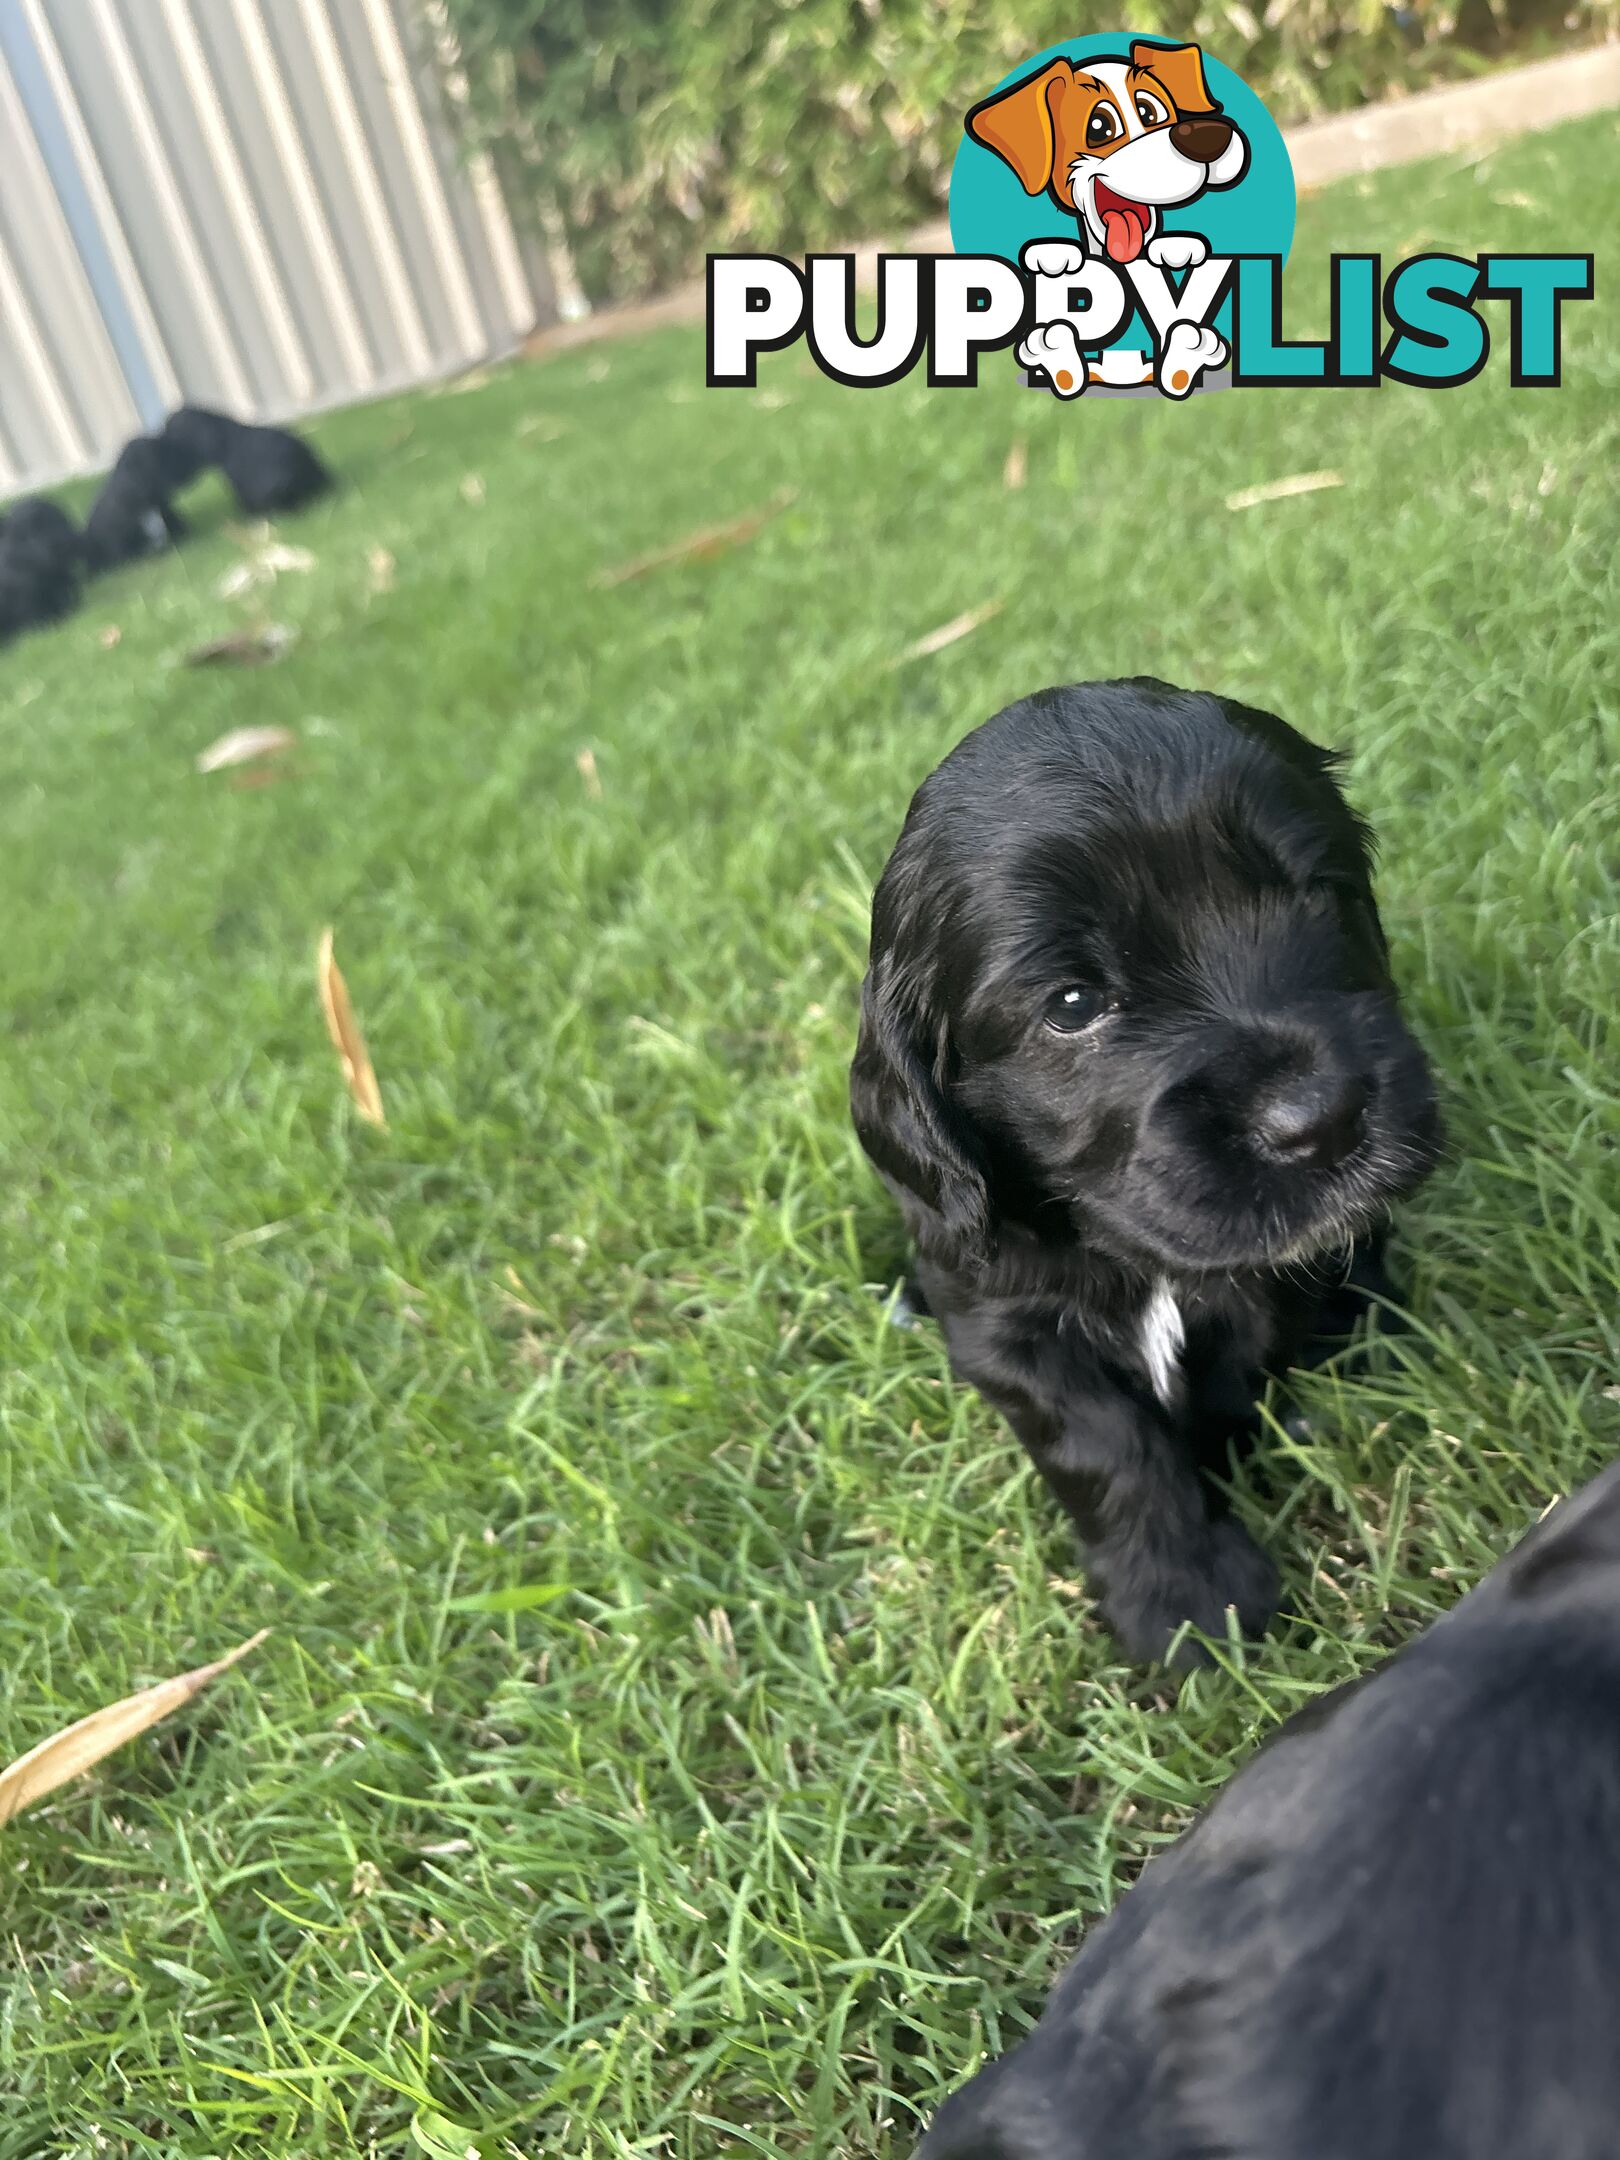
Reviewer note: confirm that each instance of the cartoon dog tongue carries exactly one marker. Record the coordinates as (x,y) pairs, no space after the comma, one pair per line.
(1124,223)
(1125,228)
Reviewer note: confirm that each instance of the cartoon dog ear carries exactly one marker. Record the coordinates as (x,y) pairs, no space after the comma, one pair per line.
(902,1115)
(1179,71)
(1020,124)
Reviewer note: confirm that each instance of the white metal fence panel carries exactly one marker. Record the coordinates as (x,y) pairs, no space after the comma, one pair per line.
(252,204)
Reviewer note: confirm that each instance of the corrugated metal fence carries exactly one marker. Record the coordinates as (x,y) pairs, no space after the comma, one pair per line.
(251,204)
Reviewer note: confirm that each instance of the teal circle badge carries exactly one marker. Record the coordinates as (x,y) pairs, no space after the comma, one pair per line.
(1116,143)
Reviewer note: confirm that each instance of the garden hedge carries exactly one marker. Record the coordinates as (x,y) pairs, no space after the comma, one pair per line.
(647,131)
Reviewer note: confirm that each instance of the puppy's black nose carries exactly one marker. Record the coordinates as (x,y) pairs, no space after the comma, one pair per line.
(1314,1123)
(1202,139)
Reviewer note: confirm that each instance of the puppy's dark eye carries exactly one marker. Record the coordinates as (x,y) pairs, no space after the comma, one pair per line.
(1068,1011)
(1149,110)
(1102,127)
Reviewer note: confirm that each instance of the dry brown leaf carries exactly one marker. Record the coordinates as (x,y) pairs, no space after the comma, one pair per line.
(245,648)
(699,546)
(264,562)
(1300,483)
(239,579)
(519,1297)
(68,1754)
(380,567)
(1016,470)
(960,626)
(244,745)
(586,761)
(347,1039)
(108,636)
(278,556)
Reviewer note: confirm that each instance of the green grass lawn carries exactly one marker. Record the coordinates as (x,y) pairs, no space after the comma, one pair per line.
(780,1814)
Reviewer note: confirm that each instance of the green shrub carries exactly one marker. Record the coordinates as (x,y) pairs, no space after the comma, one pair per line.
(648,131)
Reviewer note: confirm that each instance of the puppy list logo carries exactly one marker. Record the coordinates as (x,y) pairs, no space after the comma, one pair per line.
(1104,169)
(1121,212)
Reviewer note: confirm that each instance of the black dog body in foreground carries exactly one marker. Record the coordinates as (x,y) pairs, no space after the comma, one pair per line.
(268,469)
(1131,1059)
(1395,1935)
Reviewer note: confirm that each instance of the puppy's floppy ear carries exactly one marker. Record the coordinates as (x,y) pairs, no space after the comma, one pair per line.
(1179,72)
(1020,124)
(902,1115)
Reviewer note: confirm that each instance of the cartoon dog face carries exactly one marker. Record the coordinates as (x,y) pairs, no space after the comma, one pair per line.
(1115,141)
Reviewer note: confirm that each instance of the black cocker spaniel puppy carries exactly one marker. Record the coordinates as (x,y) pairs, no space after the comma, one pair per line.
(39,565)
(134,514)
(268,469)
(43,555)
(1131,1059)
(1392,1937)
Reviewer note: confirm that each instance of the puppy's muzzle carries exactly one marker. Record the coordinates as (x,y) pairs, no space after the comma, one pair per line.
(1297,1097)
(1202,139)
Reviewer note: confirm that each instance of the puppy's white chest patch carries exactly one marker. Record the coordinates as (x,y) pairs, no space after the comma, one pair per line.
(1162,1334)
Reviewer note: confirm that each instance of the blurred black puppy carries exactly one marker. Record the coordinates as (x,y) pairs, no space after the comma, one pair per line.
(133,515)
(1131,1059)
(1394,1936)
(269,470)
(39,566)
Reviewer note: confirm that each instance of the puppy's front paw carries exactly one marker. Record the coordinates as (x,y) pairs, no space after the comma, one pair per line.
(905,1306)
(1146,1604)
(1188,349)
(1053,258)
(1178,251)
(1054,347)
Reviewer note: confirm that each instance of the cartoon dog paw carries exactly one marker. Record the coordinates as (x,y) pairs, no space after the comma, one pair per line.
(1178,251)
(1053,258)
(1054,347)
(1188,349)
